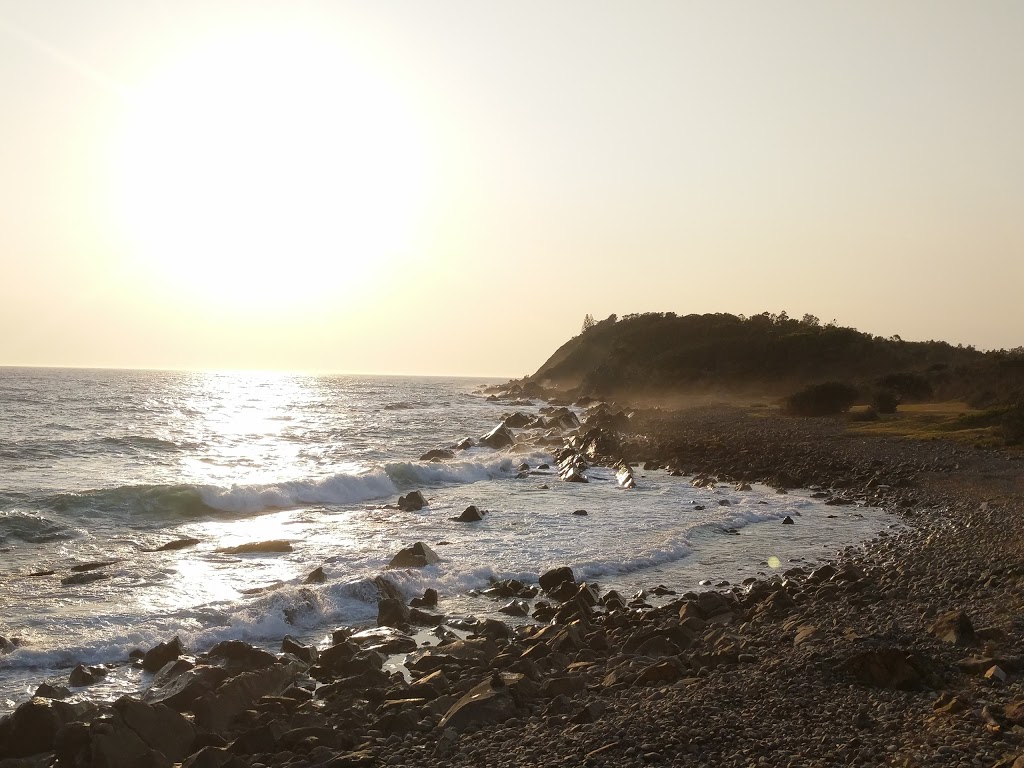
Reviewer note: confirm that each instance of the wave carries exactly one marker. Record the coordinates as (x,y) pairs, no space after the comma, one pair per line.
(194,500)
(31,528)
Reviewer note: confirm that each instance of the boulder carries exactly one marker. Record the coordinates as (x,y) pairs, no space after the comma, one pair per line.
(884,668)
(305,653)
(470,515)
(438,454)
(580,512)
(157,656)
(170,546)
(217,709)
(412,502)
(392,613)
(954,627)
(517,420)
(385,640)
(488,703)
(47,691)
(416,556)
(179,690)
(429,599)
(549,580)
(516,608)
(498,438)
(238,656)
(258,547)
(787,520)
(84,578)
(32,727)
(82,675)
(316,576)
(137,733)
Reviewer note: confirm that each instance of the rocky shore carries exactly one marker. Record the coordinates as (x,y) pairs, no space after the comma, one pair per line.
(909,652)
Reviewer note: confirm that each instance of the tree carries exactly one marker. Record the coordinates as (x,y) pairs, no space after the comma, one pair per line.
(811,320)
(588,322)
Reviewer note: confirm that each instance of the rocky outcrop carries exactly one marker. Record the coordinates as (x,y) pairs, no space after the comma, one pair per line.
(418,555)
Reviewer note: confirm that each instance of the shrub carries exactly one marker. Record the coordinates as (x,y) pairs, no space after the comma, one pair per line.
(885,401)
(827,399)
(1011,426)
(908,386)
(868,414)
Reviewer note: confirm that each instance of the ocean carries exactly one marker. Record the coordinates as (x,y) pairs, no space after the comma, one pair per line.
(99,469)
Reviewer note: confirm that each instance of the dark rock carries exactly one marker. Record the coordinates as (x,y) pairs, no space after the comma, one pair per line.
(257,547)
(385,640)
(47,691)
(179,690)
(177,544)
(787,520)
(238,656)
(392,613)
(157,656)
(32,727)
(84,578)
(498,438)
(425,619)
(305,653)
(429,599)
(516,608)
(138,733)
(484,704)
(470,515)
(83,567)
(416,556)
(552,578)
(954,627)
(217,709)
(316,576)
(580,512)
(412,502)
(885,668)
(517,420)
(82,675)
(438,454)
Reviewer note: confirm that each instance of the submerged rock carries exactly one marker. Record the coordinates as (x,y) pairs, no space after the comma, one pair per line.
(412,502)
(253,547)
(470,515)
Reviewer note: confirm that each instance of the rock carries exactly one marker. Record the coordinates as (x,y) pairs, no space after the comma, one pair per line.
(424,618)
(429,599)
(316,576)
(517,420)
(549,580)
(787,520)
(486,704)
(135,732)
(392,613)
(305,653)
(498,438)
(438,454)
(178,691)
(412,502)
(385,640)
(32,727)
(516,608)
(82,675)
(84,578)
(170,546)
(470,515)
(157,656)
(954,627)
(884,668)
(995,673)
(580,512)
(416,556)
(238,656)
(47,691)
(217,709)
(258,547)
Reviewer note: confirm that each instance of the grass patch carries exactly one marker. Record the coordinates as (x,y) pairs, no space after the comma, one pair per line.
(951,420)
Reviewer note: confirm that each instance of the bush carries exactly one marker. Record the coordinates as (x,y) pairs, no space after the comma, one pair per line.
(885,401)
(827,399)
(868,414)
(908,386)
(1011,426)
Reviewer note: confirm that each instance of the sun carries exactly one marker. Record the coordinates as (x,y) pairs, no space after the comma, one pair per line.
(267,166)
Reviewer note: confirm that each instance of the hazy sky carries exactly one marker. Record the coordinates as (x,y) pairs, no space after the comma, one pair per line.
(448,187)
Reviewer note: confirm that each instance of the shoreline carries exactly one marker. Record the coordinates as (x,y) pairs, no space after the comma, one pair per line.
(794,672)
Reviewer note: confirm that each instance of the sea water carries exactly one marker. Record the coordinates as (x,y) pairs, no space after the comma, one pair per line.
(102,466)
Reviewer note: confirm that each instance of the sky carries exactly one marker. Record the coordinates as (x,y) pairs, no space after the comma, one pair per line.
(449,187)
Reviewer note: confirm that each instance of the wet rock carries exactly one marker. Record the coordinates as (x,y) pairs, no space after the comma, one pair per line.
(517,420)
(498,438)
(386,640)
(171,546)
(305,653)
(392,613)
(416,556)
(238,656)
(580,512)
(488,703)
(136,733)
(217,709)
(157,656)
(47,691)
(470,515)
(82,675)
(258,547)
(412,502)
(84,578)
(549,580)
(179,688)
(438,454)
(92,566)
(787,520)
(429,599)
(316,576)
(32,727)
(516,608)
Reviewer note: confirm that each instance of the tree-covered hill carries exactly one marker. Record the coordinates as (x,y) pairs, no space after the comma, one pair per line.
(662,353)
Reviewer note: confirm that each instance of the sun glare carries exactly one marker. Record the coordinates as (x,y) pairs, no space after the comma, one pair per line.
(267,167)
